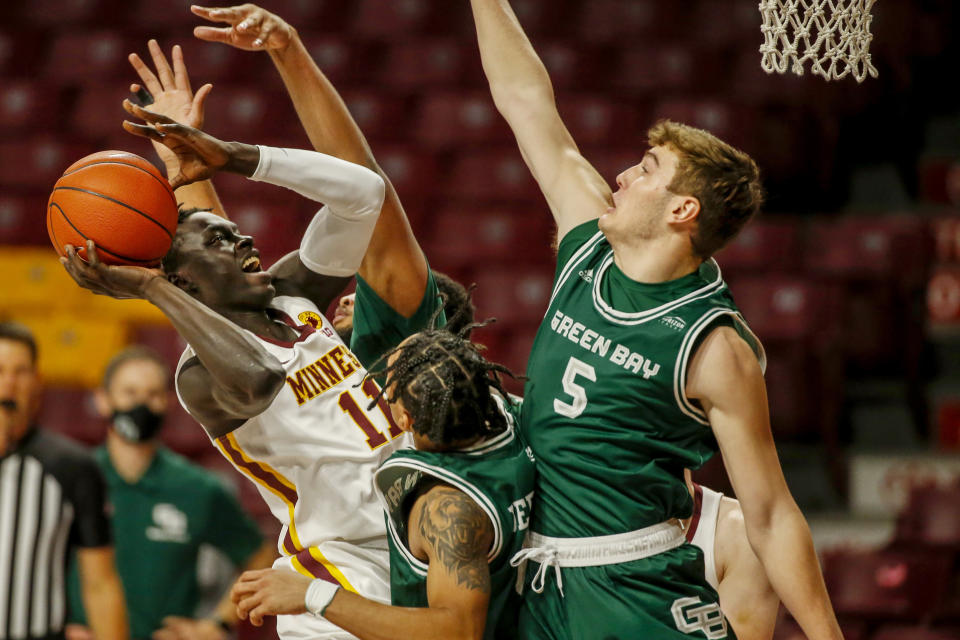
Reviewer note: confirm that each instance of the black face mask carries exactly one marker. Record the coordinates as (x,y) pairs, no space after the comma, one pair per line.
(138,424)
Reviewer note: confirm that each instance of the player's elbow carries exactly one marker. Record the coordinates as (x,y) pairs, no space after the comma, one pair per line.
(253,393)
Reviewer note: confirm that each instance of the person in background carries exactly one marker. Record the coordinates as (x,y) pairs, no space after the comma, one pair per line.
(52,497)
(163,509)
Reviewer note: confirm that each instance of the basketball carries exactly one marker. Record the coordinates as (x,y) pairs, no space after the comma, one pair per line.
(121,202)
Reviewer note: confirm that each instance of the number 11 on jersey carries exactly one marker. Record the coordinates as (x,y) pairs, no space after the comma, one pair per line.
(577,392)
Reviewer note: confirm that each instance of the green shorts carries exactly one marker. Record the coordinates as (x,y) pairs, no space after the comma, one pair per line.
(662,597)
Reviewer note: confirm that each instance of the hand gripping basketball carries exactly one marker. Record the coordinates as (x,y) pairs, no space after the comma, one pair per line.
(200,155)
(251,28)
(106,280)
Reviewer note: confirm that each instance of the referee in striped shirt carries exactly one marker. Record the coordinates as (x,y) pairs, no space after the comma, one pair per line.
(51,497)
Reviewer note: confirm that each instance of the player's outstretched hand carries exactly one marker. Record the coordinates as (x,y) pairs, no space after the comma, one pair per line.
(199,155)
(250,27)
(168,93)
(107,280)
(269,592)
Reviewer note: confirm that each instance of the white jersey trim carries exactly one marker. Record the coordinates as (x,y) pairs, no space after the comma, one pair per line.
(686,349)
(453,479)
(639,317)
(578,257)
(705,536)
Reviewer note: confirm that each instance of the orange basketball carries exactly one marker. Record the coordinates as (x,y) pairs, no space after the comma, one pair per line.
(120,201)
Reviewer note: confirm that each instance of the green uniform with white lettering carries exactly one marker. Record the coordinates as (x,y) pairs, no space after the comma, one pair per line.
(607,418)
(159,524)
(377,327)
(498,474)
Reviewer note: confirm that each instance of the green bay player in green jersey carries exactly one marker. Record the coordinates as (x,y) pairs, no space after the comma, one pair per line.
(642,367)
(458,508)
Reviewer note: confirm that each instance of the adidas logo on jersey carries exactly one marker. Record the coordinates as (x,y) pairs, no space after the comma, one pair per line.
(674,322)
(587,275)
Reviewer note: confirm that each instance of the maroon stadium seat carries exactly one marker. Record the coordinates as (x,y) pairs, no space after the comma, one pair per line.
(250,113)
(788,308)
(38,162)
(412,171)
(164,340)
(20,49)
(397,18)
(454,119)
(342,59)
(99,111)
(657,66)
(431,63)
(594,120)
(870,247)
(27,105)
(101,54)
(932,517)
(573,65)
(788,629)
(915,633)
(380,115)
(616,21)
(182,433)
(514,295)
(215,62)
(70,411)
(889,584)
(22,219)
(72,12)
(493,176)
(463,236)
(766,244)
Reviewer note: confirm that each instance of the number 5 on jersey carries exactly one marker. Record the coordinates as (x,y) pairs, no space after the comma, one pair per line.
(578,393)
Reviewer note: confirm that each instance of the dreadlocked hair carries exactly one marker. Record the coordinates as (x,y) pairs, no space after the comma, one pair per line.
(446,385)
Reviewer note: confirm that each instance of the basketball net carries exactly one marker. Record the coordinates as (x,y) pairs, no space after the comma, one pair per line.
(832,35)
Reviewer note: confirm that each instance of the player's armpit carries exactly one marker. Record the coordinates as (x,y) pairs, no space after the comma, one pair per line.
(202,400)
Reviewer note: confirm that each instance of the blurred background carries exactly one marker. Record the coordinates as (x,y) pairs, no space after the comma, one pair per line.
(851,276)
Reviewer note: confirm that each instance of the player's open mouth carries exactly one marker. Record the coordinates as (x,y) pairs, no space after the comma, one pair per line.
(251,265)
(8,404)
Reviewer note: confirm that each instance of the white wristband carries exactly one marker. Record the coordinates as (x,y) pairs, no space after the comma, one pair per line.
(320,594)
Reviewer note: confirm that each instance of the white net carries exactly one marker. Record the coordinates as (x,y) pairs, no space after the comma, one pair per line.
(833,36)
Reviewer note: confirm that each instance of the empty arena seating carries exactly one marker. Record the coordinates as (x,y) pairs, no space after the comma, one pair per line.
(37,162)
(766,244)
(898,632)
(497,176)
(886,585)
(429,63)
(463,237)
(21,219)
(26,104)
(932,517)
(455,119)
(100,54)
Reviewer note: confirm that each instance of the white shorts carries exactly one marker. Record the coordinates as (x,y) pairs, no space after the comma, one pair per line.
(368,572)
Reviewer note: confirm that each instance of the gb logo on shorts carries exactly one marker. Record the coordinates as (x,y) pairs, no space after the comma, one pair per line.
(691,615)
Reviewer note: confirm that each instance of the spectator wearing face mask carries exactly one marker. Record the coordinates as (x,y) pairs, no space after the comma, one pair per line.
(163,508)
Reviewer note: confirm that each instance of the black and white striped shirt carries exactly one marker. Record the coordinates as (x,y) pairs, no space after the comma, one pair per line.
(52,496)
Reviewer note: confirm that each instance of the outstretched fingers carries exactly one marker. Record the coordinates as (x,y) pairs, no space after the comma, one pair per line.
(164,72)
(145,114)
(180,77)
(146,75)
(230,15)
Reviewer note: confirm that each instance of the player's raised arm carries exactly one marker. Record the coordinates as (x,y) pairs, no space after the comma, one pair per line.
(524,95)
(448,528)
(167,92)
(727,380)
(394,265)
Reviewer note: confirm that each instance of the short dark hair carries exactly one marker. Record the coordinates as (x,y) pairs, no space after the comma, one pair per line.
(171,261)
(447,386)
(135,353)
(16,332)
(457,306)
(723,178)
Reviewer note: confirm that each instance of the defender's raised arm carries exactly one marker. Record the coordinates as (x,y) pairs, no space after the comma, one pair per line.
(523,94)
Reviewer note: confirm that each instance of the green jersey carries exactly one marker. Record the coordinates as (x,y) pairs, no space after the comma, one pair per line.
(377,327)
(498,474)
(604,406)
(159,524)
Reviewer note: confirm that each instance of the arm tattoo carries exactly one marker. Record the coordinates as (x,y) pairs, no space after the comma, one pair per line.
(460,534)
